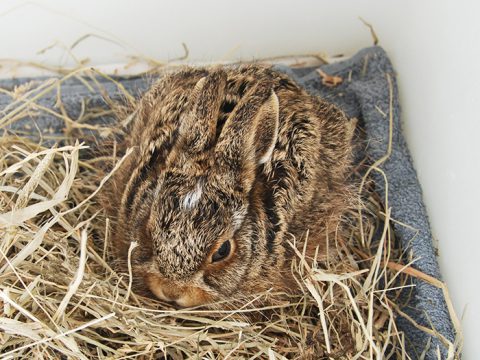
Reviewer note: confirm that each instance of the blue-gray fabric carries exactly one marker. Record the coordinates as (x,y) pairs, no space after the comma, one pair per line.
(364,94)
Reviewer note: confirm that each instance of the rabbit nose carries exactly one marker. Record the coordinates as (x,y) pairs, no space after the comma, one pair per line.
(163,289)
(172,293)
(183,295)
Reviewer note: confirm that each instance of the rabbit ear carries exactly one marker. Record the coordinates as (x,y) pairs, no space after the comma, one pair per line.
(197,132)
(250,133)
(267,129)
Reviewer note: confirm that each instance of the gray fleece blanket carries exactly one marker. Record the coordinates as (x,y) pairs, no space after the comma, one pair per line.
(364,91)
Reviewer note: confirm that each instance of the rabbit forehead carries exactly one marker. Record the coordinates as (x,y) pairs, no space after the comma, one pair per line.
(188,218)
(182,246)
(211,190)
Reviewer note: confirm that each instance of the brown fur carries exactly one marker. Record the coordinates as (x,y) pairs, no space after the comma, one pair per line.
(239,153)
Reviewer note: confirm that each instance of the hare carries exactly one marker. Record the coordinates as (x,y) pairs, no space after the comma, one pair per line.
(229,166)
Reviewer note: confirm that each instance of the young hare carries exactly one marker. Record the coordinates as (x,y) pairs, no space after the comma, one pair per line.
(229,166)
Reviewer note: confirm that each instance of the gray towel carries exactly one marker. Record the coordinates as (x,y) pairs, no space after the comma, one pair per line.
(365,88)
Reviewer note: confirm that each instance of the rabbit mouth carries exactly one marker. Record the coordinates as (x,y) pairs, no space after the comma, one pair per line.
(182,295)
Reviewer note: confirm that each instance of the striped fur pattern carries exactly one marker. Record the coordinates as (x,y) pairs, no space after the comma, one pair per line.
(227,153)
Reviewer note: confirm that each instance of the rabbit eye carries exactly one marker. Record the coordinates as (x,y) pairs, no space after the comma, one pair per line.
(222,252)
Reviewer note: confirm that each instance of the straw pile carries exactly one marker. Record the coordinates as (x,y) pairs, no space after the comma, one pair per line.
(60,297)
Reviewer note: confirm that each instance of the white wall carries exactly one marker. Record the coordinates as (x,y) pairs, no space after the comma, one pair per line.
(433,44)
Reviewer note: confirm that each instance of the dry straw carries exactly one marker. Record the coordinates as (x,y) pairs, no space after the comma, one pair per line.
(60,297)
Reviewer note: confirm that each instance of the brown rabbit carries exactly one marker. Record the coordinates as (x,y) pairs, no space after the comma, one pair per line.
(229,165)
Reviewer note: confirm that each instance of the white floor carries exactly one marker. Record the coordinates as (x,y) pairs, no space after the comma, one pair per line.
(433,44)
